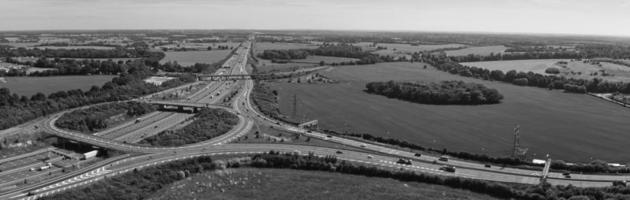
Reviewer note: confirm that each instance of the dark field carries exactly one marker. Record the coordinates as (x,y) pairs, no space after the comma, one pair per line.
(32,85)
(572,127)
(260,184)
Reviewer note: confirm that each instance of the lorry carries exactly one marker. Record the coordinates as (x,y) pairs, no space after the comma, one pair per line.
(90,154)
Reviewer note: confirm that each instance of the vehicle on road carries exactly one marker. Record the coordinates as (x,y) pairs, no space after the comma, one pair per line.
(339,152)
(138,120)
(566,175)
(487,166)
(448,168)
(417,154)
(370,156)
(404,161)
(443,158)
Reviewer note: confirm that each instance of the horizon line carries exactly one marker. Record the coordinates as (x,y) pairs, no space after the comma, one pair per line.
(315,29)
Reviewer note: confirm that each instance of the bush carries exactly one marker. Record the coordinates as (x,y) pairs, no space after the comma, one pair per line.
(445,92)
(552,70)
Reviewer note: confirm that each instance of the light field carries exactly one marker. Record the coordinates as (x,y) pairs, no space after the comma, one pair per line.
(189,58)
(484,51)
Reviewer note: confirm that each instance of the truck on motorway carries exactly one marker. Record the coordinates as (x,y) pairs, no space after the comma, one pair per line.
(90,154)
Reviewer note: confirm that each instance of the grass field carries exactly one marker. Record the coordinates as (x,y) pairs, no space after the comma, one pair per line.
(73,47)
(586,126)
(397,50)
(485,50)
(408,48)
(262,46)
(32,85)
(214,45)
(189,58)
(580,69)
(272,184)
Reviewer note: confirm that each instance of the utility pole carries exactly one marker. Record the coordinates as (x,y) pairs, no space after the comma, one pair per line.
(516,141)
(295,106)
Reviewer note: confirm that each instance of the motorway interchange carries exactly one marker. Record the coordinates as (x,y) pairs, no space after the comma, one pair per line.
(122,138)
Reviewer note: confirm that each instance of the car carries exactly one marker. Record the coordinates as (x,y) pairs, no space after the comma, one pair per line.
(443,158)
(487,166)
(448,168)
(417,154)
(155,126)
(370,156)
(339,152)
(404,161)
(329,136)
(566,175)
(362,145)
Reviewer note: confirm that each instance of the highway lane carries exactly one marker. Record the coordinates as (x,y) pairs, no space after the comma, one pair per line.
(363,158)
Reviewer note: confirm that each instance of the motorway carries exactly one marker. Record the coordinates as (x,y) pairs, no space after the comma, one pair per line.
(375,155)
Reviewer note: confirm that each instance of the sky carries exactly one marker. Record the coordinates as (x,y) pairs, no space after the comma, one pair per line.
(582,17)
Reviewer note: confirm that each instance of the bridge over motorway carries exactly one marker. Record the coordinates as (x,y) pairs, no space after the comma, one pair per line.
(230,77)
(181,106)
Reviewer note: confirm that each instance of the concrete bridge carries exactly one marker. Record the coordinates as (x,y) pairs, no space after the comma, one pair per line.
(180,106)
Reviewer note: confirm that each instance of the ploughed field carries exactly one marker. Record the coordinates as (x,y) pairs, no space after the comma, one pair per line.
(571,127)
(247,183)
(29,86)
(189,58)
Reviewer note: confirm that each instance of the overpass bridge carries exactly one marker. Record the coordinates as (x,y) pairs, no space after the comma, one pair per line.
(230,77)
(181,106)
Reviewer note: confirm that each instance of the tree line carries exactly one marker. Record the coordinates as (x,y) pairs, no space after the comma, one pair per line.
(333,50)
(597,85)
(136,51)
(97,118)
(445,92)
(16,109)
(207,124)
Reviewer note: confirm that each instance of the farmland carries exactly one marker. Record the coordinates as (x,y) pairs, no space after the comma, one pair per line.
(189,58)
(408,48)
(482,50)
(573,69)
(589,128)
(396,50)
(294,184)
(72,47)
(262,46)
(32,85)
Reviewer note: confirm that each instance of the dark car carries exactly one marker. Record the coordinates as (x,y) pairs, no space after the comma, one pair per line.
(404,161)
(566,175)
(417,155)
(487,165)
(448,168)
(339,152)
